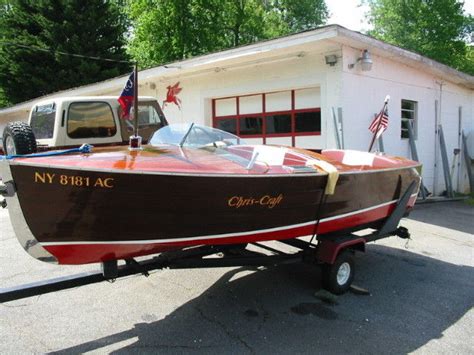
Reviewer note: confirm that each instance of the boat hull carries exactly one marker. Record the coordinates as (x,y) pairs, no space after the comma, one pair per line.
(80,216)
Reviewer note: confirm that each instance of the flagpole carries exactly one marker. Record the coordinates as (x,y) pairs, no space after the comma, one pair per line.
(135,99)
(379,122)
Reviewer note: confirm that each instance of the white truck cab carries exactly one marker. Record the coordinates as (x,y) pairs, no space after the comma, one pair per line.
(72,121)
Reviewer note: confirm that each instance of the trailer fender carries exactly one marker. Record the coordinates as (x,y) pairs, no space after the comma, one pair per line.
(328,250)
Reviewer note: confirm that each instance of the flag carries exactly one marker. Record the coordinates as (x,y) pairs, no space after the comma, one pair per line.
(380,123)
(127,97)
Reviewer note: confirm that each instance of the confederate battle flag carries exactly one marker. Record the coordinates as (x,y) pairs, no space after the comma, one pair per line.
(126,97)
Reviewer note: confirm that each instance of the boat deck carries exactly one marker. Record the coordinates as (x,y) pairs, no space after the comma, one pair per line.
(229,161)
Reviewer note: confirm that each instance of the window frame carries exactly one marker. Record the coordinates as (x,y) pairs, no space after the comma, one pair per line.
(264,114)
(414,120)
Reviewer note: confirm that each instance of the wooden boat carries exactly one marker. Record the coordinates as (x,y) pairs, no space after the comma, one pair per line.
(194,185)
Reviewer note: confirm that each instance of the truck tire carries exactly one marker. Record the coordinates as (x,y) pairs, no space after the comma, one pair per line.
(337,278)
(18,138)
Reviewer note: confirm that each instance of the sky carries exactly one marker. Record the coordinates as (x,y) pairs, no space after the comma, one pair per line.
(349,14)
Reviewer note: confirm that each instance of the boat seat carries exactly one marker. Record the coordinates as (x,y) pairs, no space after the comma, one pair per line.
(357,158)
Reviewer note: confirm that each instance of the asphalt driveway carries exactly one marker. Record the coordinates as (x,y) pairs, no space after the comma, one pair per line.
(421,300)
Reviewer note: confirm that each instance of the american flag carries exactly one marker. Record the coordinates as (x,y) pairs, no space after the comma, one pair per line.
(126,97)
(377,128)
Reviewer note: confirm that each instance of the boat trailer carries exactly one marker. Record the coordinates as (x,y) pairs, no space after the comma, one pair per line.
(333,252)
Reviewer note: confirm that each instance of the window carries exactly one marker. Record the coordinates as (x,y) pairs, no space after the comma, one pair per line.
(149,114)
(90,120)
(409,117)
(278,123)
(227,124)
(308,121)
(42,121)
(250,125)
(279,114)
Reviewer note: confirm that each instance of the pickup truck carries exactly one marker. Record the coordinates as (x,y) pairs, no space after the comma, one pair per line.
(71,121)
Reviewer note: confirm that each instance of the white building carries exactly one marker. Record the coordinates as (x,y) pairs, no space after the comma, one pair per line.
(283,91)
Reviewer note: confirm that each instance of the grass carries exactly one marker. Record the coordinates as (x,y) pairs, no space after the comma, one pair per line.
(469,197)
(470,200)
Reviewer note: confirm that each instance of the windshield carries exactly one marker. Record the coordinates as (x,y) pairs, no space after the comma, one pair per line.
(193,135)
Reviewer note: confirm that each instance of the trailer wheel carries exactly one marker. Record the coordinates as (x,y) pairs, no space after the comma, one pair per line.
(338,277)
(18,138)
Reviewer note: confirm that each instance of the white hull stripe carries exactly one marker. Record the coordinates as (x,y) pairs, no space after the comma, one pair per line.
(226,235)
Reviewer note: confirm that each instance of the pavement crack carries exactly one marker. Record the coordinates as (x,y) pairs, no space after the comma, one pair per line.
(227,331)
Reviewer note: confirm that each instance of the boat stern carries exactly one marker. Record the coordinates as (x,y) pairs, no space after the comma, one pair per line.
(20,227)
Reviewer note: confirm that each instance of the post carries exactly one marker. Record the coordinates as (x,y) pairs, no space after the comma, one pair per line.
(341,123)
(135,99)
(381,146)
(336,128)
(468,162)
(444,159)
(414,155)
(458,175)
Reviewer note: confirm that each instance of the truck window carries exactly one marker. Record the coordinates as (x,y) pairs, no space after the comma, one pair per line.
(42,121)
(148,115)
(90,120)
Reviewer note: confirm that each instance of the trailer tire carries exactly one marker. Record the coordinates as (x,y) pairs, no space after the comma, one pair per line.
(338,277)
(18,138)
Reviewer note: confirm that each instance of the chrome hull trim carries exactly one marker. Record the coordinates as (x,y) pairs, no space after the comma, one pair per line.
(20,227)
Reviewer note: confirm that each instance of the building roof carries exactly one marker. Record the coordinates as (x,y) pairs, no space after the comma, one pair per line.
(270,50)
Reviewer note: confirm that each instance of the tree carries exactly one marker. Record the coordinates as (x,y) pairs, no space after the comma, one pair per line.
(435,28)
(168,30)
(85,27)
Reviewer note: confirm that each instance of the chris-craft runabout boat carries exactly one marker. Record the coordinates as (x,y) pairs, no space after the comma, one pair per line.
(194,185)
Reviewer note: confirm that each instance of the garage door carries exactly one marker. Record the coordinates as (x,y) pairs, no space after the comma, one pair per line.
(291,117)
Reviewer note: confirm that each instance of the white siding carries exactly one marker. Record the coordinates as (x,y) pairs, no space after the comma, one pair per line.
(363,95)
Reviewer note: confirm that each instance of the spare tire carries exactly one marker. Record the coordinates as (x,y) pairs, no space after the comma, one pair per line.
(18,138)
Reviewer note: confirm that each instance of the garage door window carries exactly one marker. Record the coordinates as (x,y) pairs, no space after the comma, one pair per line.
(308,121)
(278,124)
(282,114)
(250,125)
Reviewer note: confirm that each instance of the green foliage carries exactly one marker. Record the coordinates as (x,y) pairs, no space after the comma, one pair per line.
(168,30)
(85,27)
(435,28)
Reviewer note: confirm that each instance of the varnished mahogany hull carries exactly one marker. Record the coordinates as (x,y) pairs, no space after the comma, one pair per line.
(120,215)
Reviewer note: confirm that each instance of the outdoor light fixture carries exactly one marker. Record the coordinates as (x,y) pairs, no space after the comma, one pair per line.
(365,61)
(331,59)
